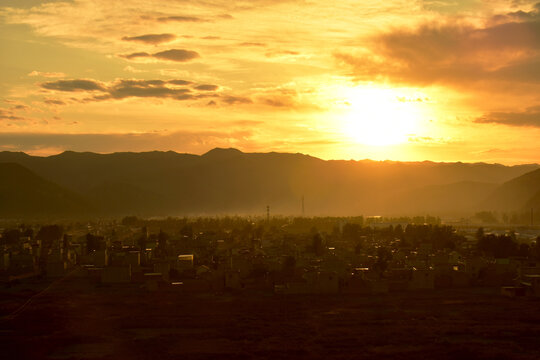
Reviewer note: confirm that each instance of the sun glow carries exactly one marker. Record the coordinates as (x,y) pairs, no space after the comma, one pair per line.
(380,117)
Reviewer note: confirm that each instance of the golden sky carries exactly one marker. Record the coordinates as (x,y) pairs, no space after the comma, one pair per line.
(402,80)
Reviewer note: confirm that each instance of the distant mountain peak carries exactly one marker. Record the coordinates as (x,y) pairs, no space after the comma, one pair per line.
(223,153)
(74,154)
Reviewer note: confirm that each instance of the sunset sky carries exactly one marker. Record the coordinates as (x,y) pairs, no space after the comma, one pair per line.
(402,80)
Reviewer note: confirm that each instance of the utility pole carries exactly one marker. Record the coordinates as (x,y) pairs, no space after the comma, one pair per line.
(268,214)
(303,209)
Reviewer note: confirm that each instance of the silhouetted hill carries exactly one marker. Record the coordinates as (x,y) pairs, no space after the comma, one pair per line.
(230,181)
(116,198)
(222,154)
(516,194)
(533,202)
(23,193)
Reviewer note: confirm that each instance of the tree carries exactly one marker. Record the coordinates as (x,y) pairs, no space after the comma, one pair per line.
(487,217)
(130,221)
(187,231)
(398,231)
(524,250)
(501,246)
(162,248)
(94,242)
(317,244)
(289,266)
(479,233)
(351,232)
(48,234)
(10,236)
(358,247)
(384,255)
(534,251)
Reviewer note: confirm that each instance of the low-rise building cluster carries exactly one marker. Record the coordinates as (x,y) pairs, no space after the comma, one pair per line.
(265,258)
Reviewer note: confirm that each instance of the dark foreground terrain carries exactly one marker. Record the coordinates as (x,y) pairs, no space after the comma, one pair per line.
(75,319)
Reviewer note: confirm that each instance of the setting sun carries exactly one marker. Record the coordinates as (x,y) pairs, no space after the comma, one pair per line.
(380,117)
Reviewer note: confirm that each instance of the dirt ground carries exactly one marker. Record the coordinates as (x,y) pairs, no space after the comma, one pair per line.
(76,319)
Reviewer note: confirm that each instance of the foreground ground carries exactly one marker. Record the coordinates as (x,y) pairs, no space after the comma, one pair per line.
(75,319)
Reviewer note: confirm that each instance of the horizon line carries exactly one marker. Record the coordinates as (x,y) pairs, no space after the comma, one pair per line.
(28,153)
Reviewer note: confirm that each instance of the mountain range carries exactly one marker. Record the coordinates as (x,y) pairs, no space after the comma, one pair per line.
(228,181)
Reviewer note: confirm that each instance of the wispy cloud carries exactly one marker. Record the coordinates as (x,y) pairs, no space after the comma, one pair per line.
(175,89)
(231,100)
(151,38)
(207,87)
(6,114)
(256,44)
(136,55)
(177,55)
(529,117)
(180,55)
(124,88)
(74,85)
(179,18)
(47,74)
(54,102)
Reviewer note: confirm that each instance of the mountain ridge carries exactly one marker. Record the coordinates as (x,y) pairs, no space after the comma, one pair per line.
(536,165)
(23,193)
(227,180)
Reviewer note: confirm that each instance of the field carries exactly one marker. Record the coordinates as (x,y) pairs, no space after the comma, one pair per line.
(75,319)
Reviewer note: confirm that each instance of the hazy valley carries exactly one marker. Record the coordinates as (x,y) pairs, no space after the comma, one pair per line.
(227,181)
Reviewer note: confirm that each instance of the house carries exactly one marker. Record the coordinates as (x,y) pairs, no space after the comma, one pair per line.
(98,258)
(125,258)
(532,284)
(184,262)
(4,261)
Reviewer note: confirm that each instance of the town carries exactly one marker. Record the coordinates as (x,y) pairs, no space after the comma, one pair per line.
(279,255)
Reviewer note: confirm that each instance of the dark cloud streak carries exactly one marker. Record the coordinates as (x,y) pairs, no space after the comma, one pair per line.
(9,115)
(73,85)
(177,55)
(151,38)
(233,100)
(158,89)
(180,82)
(530,117)
(54,102)
(180,19)
(136,55)
(207,87)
